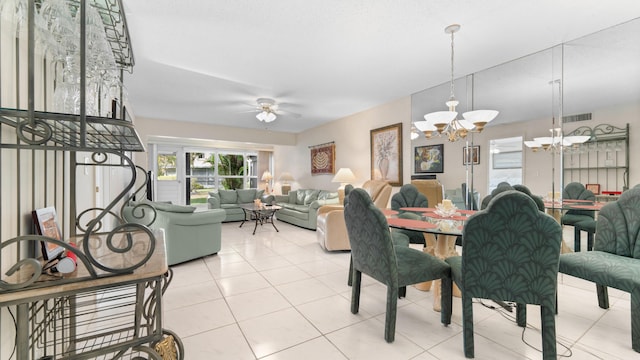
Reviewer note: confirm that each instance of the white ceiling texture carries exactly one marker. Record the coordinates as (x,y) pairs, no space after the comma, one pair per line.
(209,60)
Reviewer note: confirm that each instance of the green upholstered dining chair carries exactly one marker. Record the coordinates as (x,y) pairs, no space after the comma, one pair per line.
(504,186)
(510,253)
(398,239)
(409,196)
(577,191)
(374,254)
(615,259)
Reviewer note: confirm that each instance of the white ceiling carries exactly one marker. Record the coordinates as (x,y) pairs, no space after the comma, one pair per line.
(209,60)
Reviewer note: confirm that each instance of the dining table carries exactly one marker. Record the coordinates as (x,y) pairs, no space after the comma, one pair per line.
(440,231)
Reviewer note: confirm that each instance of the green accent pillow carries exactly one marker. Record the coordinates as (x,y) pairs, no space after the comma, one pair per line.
(259,194)
(228,196)
(293,196)
(311,196)
(174,208)
(246,195)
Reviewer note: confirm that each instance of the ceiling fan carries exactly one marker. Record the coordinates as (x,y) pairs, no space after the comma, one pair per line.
(268,110)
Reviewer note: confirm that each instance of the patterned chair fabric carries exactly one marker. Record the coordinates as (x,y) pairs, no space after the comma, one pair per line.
(374,254)
(615,259)
(409,196)
(504,186)
(577,191)
(510,253)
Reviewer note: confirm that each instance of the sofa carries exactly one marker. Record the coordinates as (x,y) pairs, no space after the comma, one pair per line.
(300,207)
(188,234)
(331,229)
(230,200)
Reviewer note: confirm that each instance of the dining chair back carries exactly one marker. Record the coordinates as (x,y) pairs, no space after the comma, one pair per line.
(615,259)
(373,253)
(409,196)
(511,252)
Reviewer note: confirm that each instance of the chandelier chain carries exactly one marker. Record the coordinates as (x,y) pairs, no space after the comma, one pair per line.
(452,82)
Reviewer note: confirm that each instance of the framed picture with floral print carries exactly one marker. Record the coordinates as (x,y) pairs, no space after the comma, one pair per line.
(386,154)
(429,159)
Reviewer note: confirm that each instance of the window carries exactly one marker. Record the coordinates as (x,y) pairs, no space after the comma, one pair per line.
(167,166)
(505,161)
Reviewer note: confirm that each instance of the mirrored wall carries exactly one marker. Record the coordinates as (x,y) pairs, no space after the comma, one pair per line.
(583,83)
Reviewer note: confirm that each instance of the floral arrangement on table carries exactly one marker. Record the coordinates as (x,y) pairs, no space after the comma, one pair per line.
(446,208)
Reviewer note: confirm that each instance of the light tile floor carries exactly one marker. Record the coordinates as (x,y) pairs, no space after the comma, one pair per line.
(278,295)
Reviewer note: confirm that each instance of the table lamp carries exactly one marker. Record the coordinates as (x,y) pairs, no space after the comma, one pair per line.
(344,176)
(266,177)
(286,179)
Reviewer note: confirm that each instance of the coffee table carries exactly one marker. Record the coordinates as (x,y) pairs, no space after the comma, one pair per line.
(261,214)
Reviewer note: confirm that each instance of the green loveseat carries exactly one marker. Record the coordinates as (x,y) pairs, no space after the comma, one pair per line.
(300,207)
(230,200)
(188,235)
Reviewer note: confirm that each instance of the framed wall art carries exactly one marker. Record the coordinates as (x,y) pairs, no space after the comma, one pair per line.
(323,159)
(471,155)
(386,154)
(429,158)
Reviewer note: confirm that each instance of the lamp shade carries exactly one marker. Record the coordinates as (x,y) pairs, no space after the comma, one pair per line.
(440,117)
(344,175)
(286,177)
(480,116)
(266,176)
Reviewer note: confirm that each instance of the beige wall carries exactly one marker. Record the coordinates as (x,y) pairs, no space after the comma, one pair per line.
(352,139)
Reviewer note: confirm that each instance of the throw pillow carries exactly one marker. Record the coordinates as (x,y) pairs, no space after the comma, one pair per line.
(311,196)
(228,196)
(246,195)
(259,194)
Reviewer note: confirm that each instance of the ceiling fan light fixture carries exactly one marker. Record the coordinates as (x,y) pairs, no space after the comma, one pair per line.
(266,116)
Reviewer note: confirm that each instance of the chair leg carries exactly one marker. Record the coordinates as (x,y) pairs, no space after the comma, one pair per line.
(521,314)
(576,239)
(635,320)
(589,241)
(350,279)
(603,296)
(355,292)
(548,332)
(467,326)
(446,301)
(402,292)
(390,319)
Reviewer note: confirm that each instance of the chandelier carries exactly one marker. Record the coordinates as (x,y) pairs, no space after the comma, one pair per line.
(446,122)
(556,141)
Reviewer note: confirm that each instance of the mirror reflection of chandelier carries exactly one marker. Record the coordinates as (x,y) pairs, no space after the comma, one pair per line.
(446,122)
(555,141)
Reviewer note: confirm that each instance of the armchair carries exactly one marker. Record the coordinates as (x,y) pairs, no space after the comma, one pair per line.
(373,253)
(188,235)
(431,189)
(511,252)
(331,230)
(615,259)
